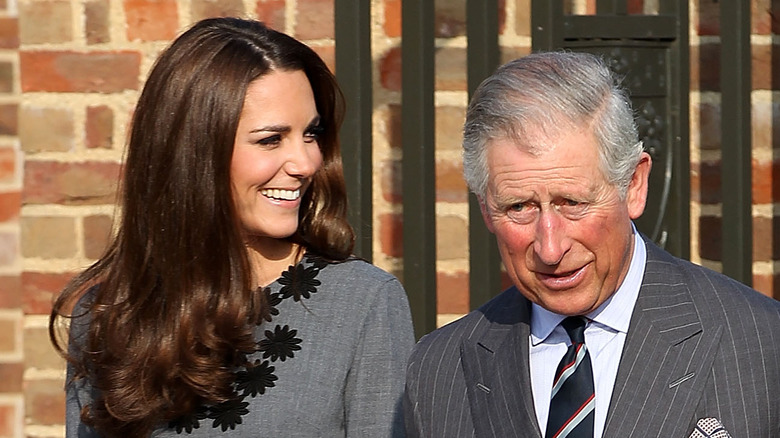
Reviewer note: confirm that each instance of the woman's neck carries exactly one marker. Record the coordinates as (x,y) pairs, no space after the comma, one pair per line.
(269,257)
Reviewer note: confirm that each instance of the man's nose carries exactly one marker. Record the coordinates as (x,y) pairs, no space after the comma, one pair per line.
(551,242)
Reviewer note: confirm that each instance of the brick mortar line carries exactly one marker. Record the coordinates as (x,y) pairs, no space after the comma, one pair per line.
(88,155)
(36,321)
(451,98)
(12,187)
(124,100)
(59,210)
(695,213)
(11,271)
(9,314)
(55,266)
(456,42)
(766,267)
(35,431)
(708,156)
(386,262)
(10,225)
(453,265)
(448,155)
(513,41)
(460,209)
(763,154)
(290,17)
(31,373)
(80,239)
(445,318)
(764,210)
(510,9)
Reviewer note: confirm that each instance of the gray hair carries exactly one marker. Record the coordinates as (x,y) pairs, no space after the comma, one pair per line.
(545,94)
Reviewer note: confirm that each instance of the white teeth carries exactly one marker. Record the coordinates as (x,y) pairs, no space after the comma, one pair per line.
(287,195)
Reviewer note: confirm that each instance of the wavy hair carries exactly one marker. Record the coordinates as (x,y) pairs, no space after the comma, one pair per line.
(171,306)
(543,94)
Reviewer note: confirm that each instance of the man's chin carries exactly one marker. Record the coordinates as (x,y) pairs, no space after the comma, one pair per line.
(568,302)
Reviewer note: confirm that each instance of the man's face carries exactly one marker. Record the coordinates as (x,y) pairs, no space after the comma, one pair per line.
(563,232)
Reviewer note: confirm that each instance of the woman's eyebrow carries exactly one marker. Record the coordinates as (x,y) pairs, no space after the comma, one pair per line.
(272,128)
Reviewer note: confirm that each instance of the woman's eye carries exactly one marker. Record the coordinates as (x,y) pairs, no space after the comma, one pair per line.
(270,140)
(314,133)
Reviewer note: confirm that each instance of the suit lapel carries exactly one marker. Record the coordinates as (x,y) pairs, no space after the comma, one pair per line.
(496,370)
(665,359)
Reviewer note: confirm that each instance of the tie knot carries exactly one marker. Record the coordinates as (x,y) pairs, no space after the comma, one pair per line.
(575,328)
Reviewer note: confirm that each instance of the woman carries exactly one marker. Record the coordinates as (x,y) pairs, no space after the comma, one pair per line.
(228,302)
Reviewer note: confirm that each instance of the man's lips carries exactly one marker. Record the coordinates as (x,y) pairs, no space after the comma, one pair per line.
(562,280)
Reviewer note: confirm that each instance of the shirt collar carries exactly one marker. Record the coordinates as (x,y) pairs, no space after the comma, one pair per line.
(614,313)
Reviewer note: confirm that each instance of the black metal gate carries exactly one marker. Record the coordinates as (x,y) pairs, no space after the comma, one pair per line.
(650,53)
(649,48)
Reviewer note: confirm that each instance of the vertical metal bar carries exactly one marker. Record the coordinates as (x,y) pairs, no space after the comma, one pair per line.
(546,20)
(353,70)
(679,77)
(736,140)
(610,7)
(419,190)
(483,58)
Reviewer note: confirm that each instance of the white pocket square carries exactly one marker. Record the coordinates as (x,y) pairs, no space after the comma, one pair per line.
(709,428)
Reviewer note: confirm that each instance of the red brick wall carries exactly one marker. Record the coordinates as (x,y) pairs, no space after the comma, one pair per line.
(70,72)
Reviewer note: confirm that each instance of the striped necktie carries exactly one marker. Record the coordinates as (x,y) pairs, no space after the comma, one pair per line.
(572,399)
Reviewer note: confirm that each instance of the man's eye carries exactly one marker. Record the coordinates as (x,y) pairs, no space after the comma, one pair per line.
(573,209)
(522,212)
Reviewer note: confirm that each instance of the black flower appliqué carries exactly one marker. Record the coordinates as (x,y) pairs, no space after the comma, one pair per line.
(280,344)
(228,414)
(189,422)
(256,378)
(317,262)
(299,282)
(272,299)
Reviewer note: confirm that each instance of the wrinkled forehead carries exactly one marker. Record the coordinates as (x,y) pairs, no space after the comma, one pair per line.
(537,137)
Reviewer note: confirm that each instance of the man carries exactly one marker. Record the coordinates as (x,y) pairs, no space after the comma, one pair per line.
(665,346)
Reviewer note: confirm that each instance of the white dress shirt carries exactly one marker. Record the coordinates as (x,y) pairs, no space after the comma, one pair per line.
(604,337)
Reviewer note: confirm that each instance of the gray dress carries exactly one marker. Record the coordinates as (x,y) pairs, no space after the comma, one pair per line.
(331,363)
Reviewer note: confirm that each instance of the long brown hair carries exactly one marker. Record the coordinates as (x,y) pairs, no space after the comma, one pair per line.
(171,304)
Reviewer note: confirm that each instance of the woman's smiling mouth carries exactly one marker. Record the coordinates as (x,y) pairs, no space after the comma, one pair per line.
(281,194)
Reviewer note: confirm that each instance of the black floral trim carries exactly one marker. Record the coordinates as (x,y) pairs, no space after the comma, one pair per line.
(279,344)
(228,414)
(299,282)
(272,299)
(255,378)
(190,421)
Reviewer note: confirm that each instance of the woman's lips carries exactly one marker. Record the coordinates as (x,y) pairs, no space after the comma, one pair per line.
(281,194)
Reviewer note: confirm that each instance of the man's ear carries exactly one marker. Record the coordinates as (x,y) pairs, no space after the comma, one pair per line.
(636,196)
(485,215)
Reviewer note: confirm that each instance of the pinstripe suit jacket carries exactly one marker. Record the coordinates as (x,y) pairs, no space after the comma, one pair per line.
(699,345)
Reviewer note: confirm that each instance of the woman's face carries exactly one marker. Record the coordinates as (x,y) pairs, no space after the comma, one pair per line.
(276,153)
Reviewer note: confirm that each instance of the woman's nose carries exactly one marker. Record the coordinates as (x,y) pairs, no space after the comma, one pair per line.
(303,159)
